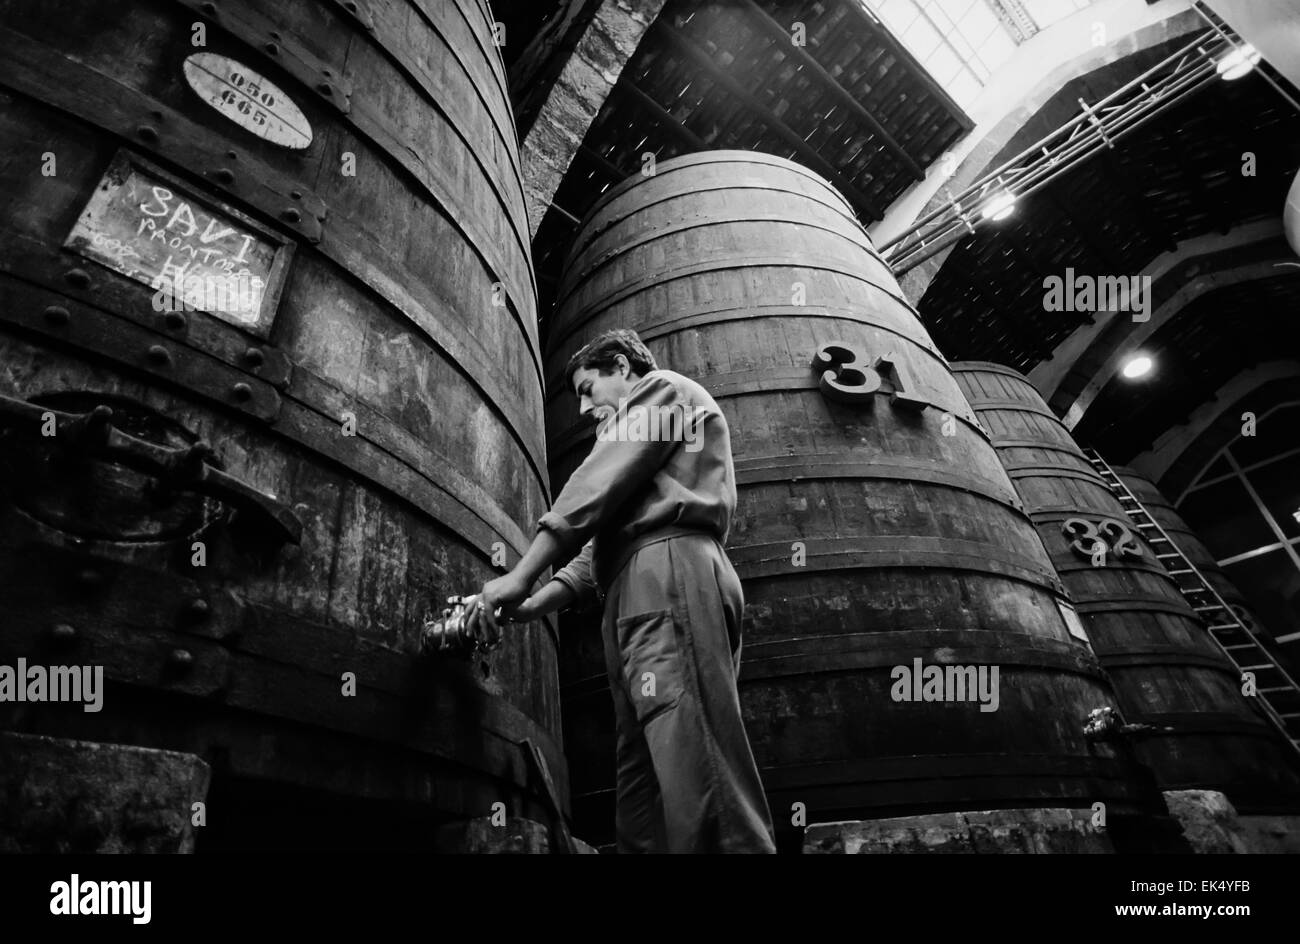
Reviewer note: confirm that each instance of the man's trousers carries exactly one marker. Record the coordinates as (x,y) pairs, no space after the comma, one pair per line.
(687,781)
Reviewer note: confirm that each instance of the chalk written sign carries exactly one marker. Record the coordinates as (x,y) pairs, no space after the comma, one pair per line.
(144,226)
(249,100)
(1072,621)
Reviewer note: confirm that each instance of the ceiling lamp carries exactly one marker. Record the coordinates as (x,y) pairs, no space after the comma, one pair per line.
(1137,367)
(1000,207)
(1238,62)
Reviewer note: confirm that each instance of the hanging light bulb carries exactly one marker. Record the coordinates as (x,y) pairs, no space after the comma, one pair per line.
(1237,63)
(1000,206)
(1137,366)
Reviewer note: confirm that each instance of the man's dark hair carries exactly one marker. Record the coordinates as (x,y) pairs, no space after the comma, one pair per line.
(602,355)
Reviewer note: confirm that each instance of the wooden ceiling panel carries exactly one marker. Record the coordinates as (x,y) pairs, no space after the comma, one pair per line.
(1177,178)
(851,105)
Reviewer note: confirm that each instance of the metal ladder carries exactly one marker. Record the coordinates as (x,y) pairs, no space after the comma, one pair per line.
(1278,695)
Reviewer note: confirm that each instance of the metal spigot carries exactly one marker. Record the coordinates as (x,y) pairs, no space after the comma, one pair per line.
(1104,723)
(446,634)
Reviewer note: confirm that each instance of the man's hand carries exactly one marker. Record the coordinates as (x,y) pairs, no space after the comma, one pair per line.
(480,619)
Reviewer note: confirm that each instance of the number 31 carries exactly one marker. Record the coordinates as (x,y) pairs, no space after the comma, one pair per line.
(847,377)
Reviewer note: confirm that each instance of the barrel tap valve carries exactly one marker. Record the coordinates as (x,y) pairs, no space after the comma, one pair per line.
(1105,724)
(446,633)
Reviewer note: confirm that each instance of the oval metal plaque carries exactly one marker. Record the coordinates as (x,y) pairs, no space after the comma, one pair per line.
(248,99)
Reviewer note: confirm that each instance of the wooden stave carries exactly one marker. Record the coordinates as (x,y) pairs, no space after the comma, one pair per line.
(429,520)
(583,679)
(1170,639)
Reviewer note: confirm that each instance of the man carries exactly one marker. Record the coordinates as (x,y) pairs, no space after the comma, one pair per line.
(648,513)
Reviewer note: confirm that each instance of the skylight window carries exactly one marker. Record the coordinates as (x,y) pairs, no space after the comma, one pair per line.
(962,42)
(1047,12)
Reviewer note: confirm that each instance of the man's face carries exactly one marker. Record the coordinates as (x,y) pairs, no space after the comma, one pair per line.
(599,394)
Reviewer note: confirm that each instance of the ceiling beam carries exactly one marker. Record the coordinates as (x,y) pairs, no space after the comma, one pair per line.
(783,41)
(600,50)
(856,9)
(665,117)
(810,156)
(534,71)
(605,164)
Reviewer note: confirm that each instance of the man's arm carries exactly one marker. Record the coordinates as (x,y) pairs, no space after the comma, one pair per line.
(542,553)
(571,584)
(556,595)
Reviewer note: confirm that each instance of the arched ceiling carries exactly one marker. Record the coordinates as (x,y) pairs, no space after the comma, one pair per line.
(1090,359)
(1169,200)
(1174,179)
(1214,338)
(1176,458)
(1195,453)
(1177,180)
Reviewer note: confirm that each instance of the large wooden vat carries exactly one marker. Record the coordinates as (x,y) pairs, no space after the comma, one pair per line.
(868,533)
(385,397)
(1168,671)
